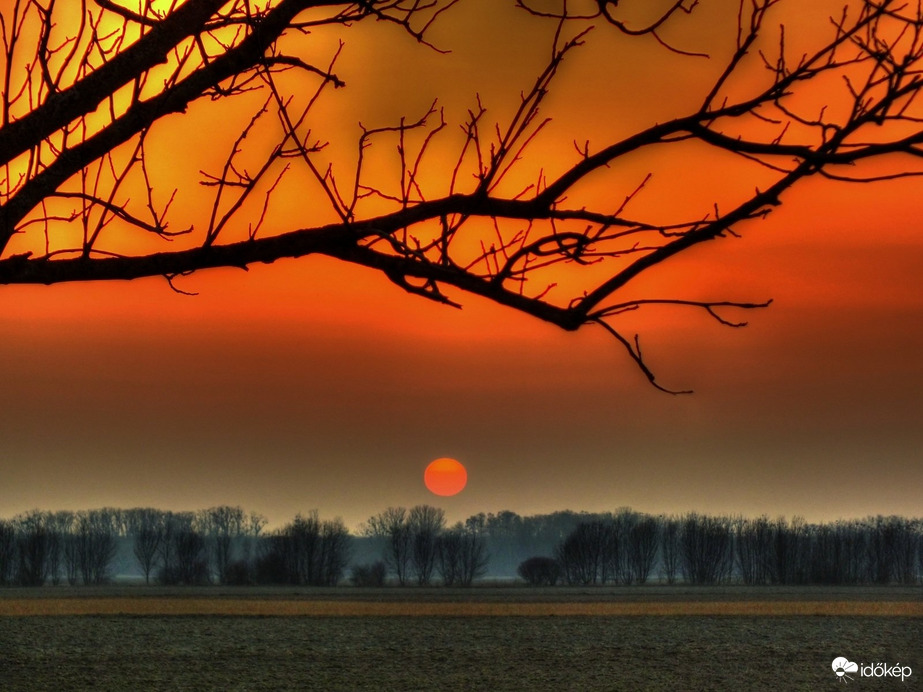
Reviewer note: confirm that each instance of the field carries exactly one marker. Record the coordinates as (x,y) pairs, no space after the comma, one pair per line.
(643,638)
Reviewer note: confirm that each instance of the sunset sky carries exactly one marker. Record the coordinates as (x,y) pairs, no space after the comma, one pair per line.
(311,384)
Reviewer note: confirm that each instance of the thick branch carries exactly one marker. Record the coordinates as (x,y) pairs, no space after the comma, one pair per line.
(85,95)
(143,114)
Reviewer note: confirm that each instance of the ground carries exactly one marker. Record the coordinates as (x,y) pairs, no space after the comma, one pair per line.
(669,638)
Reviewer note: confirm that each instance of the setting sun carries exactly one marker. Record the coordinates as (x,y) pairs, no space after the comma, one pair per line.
(445,477)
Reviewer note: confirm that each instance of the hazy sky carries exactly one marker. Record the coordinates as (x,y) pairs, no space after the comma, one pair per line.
(307,384)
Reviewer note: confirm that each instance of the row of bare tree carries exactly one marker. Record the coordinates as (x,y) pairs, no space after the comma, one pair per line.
(416,545)
(877,550)
(306,552)
(221,544)
(39,546)
(628,548)
(194,547)
(225,545)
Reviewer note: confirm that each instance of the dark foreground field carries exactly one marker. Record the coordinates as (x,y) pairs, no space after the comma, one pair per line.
(430,640)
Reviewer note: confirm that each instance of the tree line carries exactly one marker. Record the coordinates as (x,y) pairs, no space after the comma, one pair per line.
(417,547)
(630,548)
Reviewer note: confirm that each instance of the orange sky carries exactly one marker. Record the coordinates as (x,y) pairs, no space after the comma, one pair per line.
(308,384)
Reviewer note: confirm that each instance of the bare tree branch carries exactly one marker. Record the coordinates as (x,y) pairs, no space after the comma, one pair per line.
(482,214)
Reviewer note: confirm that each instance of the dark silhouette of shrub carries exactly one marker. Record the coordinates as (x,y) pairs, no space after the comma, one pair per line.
(369,575)
(540,571)
(239,573)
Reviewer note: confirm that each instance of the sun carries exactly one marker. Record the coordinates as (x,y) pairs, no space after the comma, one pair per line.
(445,477)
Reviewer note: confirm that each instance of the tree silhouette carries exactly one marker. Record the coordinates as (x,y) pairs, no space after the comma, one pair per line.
(393,529)
(89,87)
(147,528)
(462,555)
(7,552)
(96,544)
(32,547)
